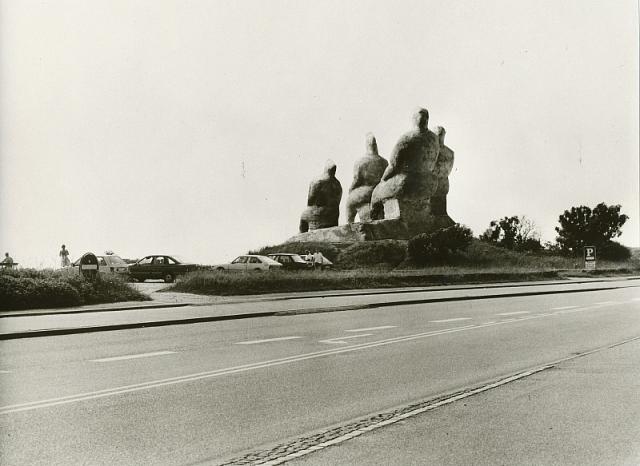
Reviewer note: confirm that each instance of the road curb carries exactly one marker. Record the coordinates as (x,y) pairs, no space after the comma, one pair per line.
(94,310)
(292,312)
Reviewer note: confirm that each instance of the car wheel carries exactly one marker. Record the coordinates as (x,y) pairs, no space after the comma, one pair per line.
(168,278)
(220,269)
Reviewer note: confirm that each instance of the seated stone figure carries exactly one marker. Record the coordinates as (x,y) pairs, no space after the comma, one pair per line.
(409,181)
(367,172)
(323,201)
(444,165)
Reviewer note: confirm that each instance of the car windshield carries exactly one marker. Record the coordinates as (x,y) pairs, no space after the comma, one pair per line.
(297,258)
(115,260)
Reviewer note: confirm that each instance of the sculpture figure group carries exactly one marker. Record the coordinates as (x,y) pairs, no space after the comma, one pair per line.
(411,187)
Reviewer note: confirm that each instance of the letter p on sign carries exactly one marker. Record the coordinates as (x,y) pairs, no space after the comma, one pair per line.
(589,257)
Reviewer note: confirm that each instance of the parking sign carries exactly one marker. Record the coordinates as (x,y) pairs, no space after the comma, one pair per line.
(590,257)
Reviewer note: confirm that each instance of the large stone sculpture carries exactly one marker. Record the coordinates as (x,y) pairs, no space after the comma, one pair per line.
(367,172)
(444,165)
(323,201)
(410,179)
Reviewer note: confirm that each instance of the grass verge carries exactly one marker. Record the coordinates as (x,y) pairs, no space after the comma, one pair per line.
(32,289)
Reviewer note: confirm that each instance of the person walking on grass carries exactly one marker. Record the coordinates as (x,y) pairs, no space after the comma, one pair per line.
(64,257)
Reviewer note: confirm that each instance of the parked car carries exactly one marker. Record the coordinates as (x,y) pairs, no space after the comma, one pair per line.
(249,262)
(160,266)
(110,263)
(291,261)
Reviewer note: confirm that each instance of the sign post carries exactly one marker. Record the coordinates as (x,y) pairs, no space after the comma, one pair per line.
(89,266)
(589,257)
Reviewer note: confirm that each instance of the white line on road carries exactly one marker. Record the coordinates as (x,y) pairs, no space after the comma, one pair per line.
(339,340)
(28,406)
(371,328)
(563,308)
(133,356)
(255,342)
(606,303)
(514,313)
(456,319)
(5,372)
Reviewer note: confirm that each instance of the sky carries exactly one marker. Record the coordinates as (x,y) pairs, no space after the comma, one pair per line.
(195,127)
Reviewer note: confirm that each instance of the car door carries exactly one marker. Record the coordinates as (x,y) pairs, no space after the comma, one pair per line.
(158,267)
(142,268)
(239,264)
(256,264)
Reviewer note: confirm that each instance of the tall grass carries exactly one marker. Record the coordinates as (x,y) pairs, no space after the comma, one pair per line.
(371,265)
(31,288)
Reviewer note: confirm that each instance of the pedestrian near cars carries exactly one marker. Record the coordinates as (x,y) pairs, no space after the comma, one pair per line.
(64,257)
(318,260)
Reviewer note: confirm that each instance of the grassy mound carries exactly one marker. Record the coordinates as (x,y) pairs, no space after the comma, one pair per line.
(30,289)
(385,254)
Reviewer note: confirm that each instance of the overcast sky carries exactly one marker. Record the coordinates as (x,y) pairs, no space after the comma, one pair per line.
(195,127)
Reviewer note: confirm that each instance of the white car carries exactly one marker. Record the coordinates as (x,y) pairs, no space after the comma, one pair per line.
(110,263)
(249,263)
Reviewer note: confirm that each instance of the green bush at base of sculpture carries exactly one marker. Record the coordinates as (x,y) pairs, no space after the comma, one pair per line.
(439,245)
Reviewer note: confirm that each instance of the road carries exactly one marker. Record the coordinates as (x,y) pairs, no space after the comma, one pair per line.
(213,392)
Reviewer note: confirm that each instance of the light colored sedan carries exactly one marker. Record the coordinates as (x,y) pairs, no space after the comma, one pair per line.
(249,263)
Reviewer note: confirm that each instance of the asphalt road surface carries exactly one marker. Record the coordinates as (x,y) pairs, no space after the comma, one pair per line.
(217,392)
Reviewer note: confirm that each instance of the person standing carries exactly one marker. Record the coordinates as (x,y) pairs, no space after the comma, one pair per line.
(64,257)
(7,261)
(318,259)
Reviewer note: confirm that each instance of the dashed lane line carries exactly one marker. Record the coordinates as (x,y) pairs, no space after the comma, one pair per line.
(133,356)
(339,340)
(562,308)
(371,328)
(514,313)
(267,340)
(455,319)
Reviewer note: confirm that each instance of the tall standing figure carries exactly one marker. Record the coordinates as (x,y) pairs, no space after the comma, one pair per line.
(64,257)
(367,172)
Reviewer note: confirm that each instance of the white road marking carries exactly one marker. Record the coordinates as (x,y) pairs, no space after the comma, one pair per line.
(515,313)
(339,340)
(5,372)
(32,405)
(490,322)
(371,328)
(562,308)
(456,319)
(133,356)
(255,342)
(606,303)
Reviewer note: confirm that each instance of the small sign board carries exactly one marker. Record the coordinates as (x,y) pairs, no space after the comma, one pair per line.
(89,266)
(589,257)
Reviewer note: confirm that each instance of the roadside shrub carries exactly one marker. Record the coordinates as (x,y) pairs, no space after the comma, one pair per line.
(31,288)
(440,244)
(388,253)
(614,251)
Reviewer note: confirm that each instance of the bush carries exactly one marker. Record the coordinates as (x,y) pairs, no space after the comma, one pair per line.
(614,251)
(388,253)
(439,245)
(30,288)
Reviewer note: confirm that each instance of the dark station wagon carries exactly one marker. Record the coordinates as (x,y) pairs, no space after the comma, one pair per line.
(160,266)
(291,261)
